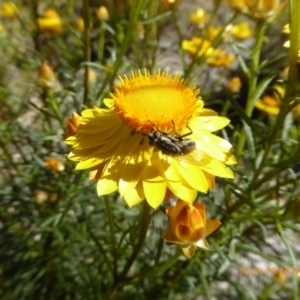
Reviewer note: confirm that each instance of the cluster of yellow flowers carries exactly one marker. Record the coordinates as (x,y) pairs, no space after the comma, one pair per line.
(205,47)
(155,138)
(51,23)
(259,9)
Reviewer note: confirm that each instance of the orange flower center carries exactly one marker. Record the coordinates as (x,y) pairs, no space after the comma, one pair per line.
(158,101)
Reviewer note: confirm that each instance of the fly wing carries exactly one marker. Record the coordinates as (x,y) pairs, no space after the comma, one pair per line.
(196,157)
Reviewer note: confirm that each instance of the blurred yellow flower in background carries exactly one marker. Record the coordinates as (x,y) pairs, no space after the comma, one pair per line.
(212,32)
(102,13)
(46,77)
(80,24)
(54,164)
(124,144)
(221,59)
(270,103)
(189,227)
(2,28)
(241,31)
(203,48)
(9,10)
(259,9)
(198,17)
(50,22)
(234,84)
(286,29)
(198,46)
(170,4)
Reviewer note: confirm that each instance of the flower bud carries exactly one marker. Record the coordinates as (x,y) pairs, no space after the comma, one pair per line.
(102,13)
(189,227)
(72,125)
(80,24)
(53,164)
(46,76)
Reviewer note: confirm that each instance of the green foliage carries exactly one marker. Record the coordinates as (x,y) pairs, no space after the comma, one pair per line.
(59,240)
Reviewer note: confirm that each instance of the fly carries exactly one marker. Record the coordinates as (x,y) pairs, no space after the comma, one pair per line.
(177,146)
(170,144)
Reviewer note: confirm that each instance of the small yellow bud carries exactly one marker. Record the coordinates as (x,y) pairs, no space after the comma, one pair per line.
(80,24)
(102,13)
(46,76)
(53,164)
(92,76)
(72,125)
(170,4)
(2,28)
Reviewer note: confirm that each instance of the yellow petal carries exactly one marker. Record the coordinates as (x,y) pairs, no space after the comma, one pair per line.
(100,126)
(211,226)
(189,251)
(209,123)
(106,186)
(218,169)
(107,138)
(135,196)
(193,176)
(203,244)
(155,191)
(187,194)
(108,102)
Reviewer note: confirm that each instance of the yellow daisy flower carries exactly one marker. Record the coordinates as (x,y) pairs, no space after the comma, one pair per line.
(148,116)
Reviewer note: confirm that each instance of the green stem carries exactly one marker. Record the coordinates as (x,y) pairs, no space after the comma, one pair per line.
(54,107)
(293,78)
(163,267)
(87,50)
(131,29)
(101,41)
(252,80)
(112,233)
(145,220)
(153,11)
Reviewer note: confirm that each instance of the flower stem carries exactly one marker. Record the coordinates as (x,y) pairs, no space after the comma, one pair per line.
(131,29)
(87,50)
(291,85)
(252,80)
(145,220)
(112,233)
(163,267)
